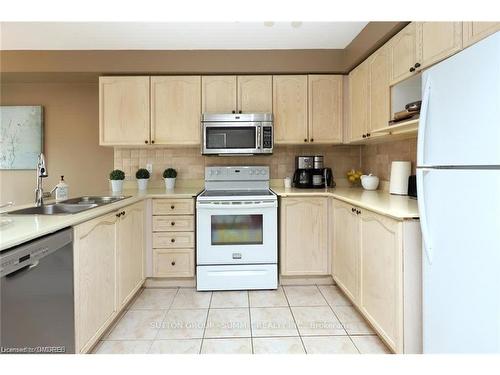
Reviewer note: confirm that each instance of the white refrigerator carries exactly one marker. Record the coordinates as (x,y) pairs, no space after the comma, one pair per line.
(458,184)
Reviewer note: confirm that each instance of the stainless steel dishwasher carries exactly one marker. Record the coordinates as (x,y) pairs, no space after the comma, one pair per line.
(36,285)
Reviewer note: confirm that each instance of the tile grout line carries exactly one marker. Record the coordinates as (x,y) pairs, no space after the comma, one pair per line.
(296,325)
(161,324)
(250,320)
(342,324)
(206,321)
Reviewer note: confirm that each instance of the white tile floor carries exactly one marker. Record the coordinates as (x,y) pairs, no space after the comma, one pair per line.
(293,319)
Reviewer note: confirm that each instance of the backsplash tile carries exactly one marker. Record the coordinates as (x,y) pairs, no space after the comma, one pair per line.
(190,164)
(377,158)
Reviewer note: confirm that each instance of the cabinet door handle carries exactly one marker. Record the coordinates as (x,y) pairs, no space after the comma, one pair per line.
(305,139)
(364,135)
(358,212)
(417,65)
(152,141)
(172,240)
(368,134)
(312,139)
(239,111)
(118,214)
(412,69)
(172,207)
(146,142)
(173,263)
(353,209)
(172,223)
(234,111)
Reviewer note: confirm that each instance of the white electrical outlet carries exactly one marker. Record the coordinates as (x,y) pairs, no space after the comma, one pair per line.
(149,167)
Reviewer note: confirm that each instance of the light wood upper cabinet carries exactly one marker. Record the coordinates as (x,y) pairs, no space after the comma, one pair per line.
(290,109)
(403,53)
(304,236)
(346,249)
(124,110)
(130,252)
(255,94)
(95,275)
(379,92)
(475,31)
(437,40)
(381,281)
(325,108)
(175,110)
(359,102)
(218,94)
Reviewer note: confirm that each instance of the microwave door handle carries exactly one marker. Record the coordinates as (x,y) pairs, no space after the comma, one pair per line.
(259,137)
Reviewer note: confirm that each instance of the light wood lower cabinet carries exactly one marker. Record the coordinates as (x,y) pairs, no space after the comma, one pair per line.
(377,263)
(173,262)
(95,279)
(130,252)
(173,238)
(304,241)
(345,254)
(381,271)
(108,269)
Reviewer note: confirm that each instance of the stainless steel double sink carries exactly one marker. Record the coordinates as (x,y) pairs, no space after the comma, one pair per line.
(69,206)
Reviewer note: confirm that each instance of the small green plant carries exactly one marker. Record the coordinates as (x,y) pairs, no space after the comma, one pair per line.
(117,175)
(142,173)
(169,173)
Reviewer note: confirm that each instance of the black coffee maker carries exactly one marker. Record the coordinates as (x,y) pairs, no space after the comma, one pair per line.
(311,174)
(303,176)
(321,177)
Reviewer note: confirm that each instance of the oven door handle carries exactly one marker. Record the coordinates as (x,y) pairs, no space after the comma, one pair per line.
(236,205)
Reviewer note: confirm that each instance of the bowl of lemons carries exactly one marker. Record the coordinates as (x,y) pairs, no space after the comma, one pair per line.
(354,177)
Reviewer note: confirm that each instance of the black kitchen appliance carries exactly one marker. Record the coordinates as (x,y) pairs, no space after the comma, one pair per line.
(311,174)
(412,186)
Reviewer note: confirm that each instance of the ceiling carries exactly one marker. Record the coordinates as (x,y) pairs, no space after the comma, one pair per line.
(176,35)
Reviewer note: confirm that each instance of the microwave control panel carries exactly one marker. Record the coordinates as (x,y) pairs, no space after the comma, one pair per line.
(267,136)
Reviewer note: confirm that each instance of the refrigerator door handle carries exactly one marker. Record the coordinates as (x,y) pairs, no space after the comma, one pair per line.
(422,213)
(423,122)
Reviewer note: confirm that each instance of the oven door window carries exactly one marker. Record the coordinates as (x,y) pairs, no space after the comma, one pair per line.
(236,229)
(221,137)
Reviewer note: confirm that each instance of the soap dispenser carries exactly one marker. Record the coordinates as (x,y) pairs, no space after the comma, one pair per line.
(62,191)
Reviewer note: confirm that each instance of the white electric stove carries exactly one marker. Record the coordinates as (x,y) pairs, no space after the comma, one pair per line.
(237,230)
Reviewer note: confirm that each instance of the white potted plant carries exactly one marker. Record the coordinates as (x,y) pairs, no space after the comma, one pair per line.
(116,177)
(169,175)
(142,175)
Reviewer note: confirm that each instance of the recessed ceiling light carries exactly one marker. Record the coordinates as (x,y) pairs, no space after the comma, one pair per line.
(269,23)
(296,25)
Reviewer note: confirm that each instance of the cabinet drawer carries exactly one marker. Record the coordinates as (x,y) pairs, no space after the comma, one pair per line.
(173,263)
(173,206)
(168,240)
(173,223)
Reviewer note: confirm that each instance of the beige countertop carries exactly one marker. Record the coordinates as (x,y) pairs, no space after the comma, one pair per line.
(395,206)
(23,228)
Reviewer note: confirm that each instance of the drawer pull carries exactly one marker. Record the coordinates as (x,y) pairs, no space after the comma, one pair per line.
(172,240)
(172,223)
(172,207)
(173,263)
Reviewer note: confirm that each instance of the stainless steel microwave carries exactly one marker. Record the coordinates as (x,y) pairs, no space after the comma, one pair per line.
(236,134)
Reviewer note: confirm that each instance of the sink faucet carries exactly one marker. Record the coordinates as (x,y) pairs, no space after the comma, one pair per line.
(41,172)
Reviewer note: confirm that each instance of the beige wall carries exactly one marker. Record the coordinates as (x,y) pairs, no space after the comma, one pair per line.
(71,139)
(377,158)
(190,164)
